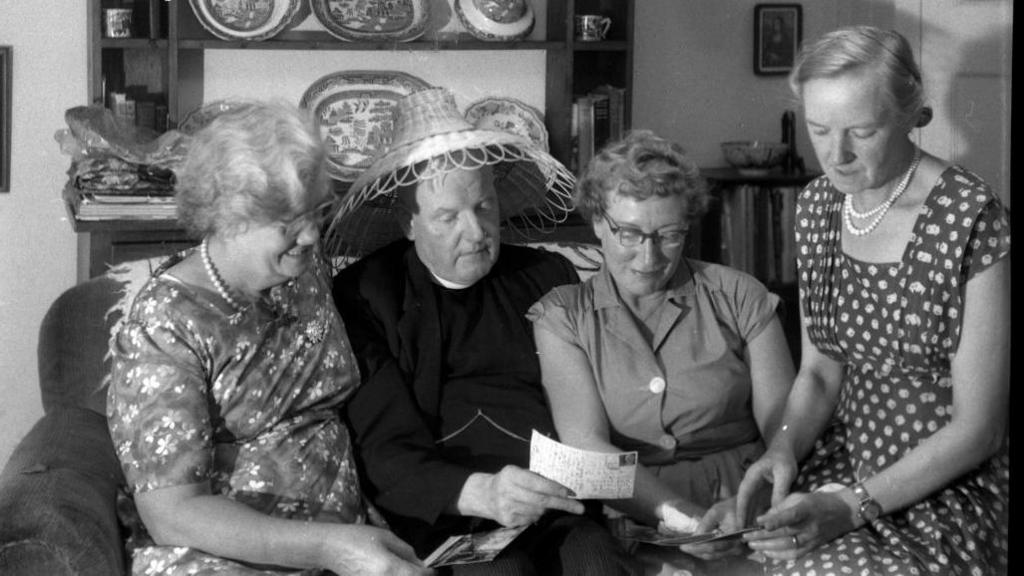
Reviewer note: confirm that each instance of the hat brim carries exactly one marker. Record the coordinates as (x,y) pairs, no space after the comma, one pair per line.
(533,187)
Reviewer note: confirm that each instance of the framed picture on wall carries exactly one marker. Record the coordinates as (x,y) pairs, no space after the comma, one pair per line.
(778,29)
(5,118)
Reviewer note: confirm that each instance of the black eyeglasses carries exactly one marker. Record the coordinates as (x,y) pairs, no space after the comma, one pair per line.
(631,237)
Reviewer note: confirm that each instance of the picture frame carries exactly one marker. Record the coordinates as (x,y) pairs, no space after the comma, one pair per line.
(6,75)
(778,31)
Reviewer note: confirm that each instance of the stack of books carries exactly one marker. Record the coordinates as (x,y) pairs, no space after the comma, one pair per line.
(598,118)
(94,206)
(109,188)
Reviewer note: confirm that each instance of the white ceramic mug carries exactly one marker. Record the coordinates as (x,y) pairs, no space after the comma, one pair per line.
(592,27)
(118,22)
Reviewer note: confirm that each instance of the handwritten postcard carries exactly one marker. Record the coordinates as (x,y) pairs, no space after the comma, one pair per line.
(588,474)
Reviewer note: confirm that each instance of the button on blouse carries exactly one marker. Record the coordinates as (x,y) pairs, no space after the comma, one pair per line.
(667,441)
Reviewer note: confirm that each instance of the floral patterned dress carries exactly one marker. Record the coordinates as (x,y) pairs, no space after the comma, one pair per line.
(896,328)
(245,402)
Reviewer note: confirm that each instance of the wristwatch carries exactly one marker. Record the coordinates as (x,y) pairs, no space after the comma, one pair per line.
(869,507)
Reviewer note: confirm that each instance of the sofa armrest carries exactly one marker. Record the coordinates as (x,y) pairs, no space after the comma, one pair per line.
(73,344)
(58,495)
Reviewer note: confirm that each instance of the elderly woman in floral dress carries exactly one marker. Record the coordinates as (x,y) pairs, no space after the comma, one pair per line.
(230,369)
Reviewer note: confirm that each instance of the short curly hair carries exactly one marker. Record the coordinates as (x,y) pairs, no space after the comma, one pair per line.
(640,166)
(256,163)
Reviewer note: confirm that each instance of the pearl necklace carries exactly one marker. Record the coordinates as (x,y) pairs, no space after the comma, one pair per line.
(218,282)
(879,211)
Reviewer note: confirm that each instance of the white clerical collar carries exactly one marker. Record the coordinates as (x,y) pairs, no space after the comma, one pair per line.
(448,283)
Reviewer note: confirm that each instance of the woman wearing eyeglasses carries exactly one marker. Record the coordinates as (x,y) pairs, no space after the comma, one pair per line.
(681,360)
(230,369)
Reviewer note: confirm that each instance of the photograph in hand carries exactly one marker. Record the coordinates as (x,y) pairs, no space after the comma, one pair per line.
(473,548)
(629,530)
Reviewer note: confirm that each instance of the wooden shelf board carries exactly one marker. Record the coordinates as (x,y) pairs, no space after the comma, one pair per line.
(605,46)
(315,40)
(135,43)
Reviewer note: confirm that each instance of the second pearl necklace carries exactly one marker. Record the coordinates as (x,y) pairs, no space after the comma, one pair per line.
(880,211)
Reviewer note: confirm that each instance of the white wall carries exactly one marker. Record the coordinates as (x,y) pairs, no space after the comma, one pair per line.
(273,73)
(37,244)
(966,61)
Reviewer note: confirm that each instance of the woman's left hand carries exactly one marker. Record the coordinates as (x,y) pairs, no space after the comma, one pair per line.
(721,516)
(801,523)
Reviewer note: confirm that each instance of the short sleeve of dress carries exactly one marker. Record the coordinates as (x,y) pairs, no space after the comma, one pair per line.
(157,407)
(552,313)
(989,240)
(755,307)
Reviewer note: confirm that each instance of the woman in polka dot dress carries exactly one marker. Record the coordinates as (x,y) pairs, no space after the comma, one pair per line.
(898,415)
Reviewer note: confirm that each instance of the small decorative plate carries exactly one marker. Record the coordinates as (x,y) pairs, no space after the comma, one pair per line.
(509,115)
(249,20)
(203,115)
(373,20)
(353,110)
(496,20)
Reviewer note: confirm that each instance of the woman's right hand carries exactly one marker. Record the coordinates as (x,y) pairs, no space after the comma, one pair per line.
(721,516)
(358,549)
(777,467)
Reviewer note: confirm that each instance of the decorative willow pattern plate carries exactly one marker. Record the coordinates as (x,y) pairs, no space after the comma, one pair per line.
(509,115)
(248,19)
(353,110)
(373,20)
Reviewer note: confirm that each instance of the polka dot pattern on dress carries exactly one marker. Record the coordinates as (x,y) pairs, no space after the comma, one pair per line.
(895,327)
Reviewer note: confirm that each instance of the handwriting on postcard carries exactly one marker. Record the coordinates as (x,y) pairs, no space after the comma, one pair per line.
(588,474)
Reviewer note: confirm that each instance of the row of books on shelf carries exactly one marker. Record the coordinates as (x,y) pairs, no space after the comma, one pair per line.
(136,107)
(757,231)
(95,206)
(598,117)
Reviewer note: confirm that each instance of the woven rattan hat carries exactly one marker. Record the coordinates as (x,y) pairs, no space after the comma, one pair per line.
(432,138)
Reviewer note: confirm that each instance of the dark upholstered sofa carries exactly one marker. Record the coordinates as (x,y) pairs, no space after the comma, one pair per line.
(58,490)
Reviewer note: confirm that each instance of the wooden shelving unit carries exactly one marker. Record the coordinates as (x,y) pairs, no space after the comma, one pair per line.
(167,55)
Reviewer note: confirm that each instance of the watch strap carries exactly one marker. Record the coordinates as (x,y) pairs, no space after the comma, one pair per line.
(869,508)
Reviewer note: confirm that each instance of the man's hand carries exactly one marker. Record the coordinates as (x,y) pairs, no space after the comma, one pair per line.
(514,497)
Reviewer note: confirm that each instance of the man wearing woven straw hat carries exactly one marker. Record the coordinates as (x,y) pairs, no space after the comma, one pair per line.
(436,314)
